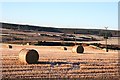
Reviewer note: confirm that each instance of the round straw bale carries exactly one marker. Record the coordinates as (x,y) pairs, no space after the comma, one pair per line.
(27,43)
(29,56)
(10,46)
(63,48)
(78,49)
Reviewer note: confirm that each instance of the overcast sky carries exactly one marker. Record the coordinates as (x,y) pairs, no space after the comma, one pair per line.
(95,15)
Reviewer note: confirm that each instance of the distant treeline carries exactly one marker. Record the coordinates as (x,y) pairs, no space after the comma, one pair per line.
(100,32)
(28,27)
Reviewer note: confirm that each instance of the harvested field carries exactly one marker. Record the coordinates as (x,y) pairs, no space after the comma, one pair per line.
(55,62)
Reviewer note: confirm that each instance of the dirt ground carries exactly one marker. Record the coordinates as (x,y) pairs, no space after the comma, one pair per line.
(54,62)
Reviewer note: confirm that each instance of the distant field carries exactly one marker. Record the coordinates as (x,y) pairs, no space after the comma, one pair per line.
(57,63)
(112,40)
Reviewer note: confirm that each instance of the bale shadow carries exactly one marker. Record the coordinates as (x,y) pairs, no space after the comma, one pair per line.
(52,64)
(74,66)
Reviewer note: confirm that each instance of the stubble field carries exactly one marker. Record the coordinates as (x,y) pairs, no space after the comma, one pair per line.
(54,62)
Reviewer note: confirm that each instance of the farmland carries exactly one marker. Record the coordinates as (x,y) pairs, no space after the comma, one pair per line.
(56,58)
(55,62)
